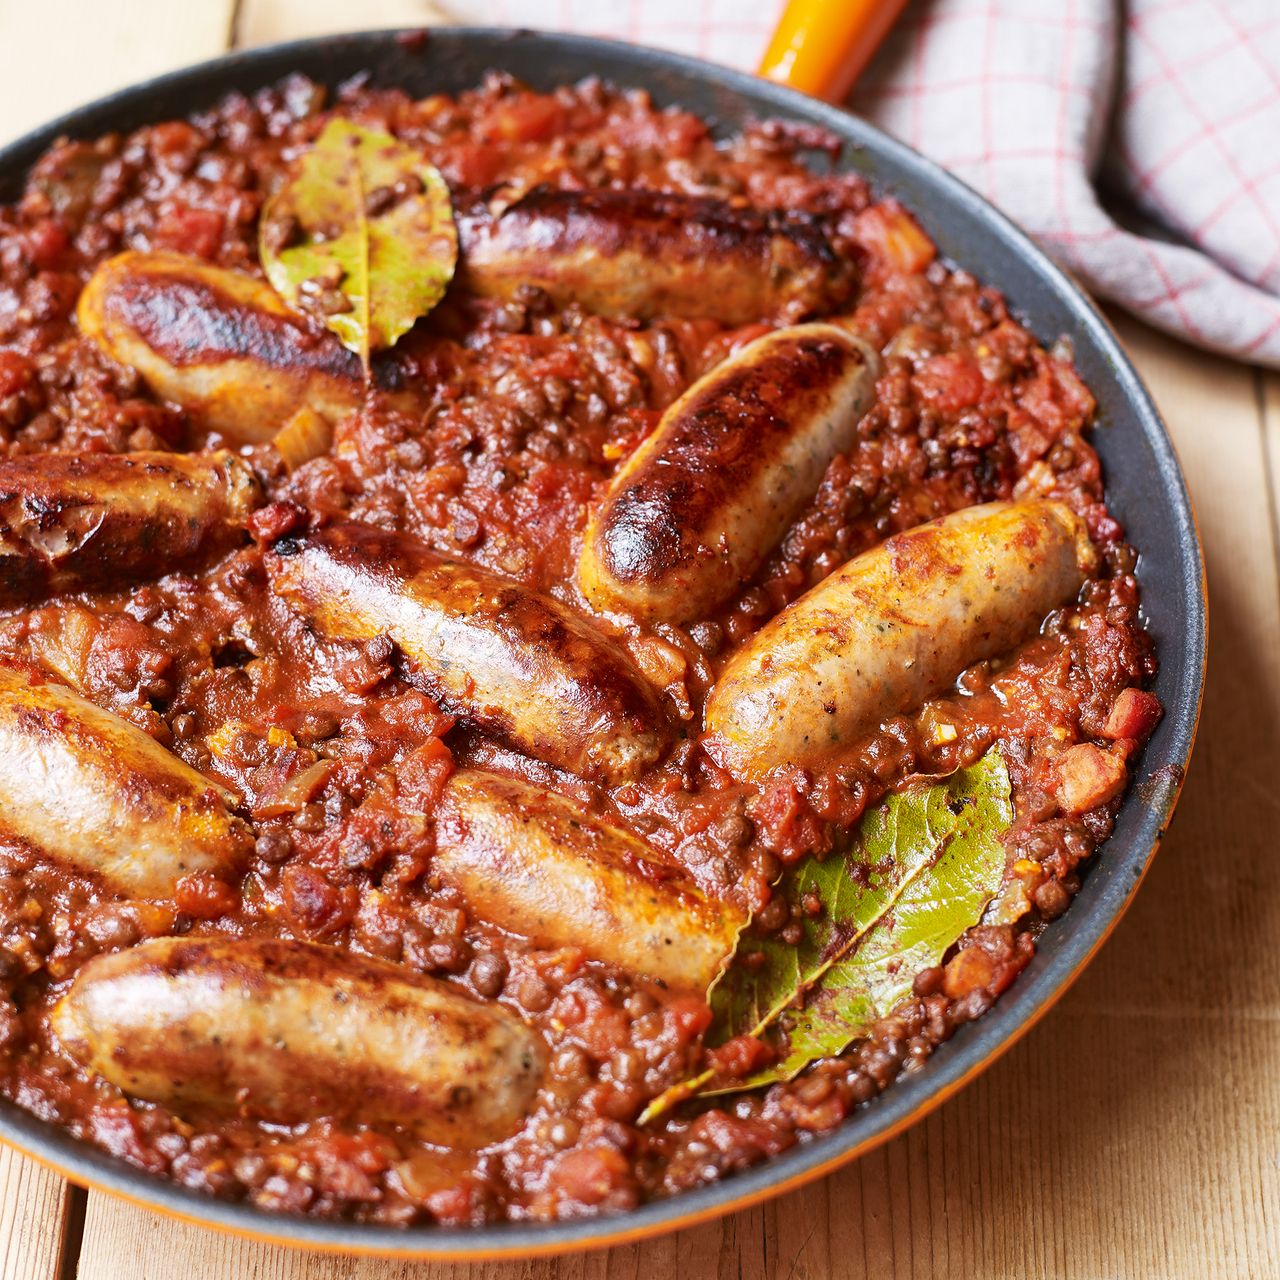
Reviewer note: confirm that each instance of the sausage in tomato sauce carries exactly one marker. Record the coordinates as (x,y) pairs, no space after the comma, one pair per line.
(892,627)
(519,664)
(693,513)
(219,343)
(539,864)
(293,1031)
(89,791)
(639,254)
(69,520)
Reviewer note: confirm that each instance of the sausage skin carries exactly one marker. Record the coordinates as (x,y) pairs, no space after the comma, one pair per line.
(518,664)
(70,520)
(92,792)
(891,627)
(694,512)
(292,1031)
(535,862)
(641,254)
(219,343)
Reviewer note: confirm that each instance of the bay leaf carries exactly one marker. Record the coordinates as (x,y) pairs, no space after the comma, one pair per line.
(920,870)
(361,236)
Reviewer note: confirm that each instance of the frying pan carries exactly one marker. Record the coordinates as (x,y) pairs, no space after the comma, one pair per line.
(1144,485)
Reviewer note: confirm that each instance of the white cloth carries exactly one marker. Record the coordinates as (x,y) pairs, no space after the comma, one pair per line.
(1169,107)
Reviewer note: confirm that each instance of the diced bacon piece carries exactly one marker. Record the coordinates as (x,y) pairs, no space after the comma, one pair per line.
(1088,777)
(1134,715)
(890,232)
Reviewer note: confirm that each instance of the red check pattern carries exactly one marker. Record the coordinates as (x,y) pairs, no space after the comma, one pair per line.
(1169,107)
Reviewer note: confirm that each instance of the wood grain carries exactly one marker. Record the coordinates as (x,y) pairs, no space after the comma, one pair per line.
(266,21)
(1135,1132)
(33,1219)
(57,54)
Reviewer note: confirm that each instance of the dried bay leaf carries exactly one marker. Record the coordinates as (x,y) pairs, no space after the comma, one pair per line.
(361,236)
(920,871)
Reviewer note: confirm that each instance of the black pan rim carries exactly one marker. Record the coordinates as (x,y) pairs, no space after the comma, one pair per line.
(1144,815)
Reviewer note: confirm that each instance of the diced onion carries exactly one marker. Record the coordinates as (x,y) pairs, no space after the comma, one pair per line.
(305,436)
(298,791)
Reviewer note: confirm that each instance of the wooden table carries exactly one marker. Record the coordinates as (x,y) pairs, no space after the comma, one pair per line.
(1135,1132)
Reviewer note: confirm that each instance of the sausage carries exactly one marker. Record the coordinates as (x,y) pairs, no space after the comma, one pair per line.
(91,792)
(292,1031)
(640,254)
(892,627)
(219,343)
(535,862)
(518,664)
(71,520)
(695,510)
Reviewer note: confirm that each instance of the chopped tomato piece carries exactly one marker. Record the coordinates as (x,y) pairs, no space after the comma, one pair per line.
(1073,395)
(174,138)
(313,904)
(738,1058)
(588,1175)
(205,897)
(690,1016)
(16,372)
(526,118)
(45,242)
(950,382)
(473,165)
(424,771)
(189,230)
(275,520)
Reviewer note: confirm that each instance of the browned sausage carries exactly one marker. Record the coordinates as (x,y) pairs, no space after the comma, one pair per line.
(69,521)
(520,665)
(642,254)
(540,865)
(92,792)
(292,1031)
(892,627)
(219,343)
(695,510)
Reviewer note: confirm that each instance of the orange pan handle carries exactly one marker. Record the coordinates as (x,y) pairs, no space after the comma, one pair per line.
(821,46)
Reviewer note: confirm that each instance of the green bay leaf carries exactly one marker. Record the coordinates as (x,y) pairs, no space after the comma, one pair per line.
(369,242)
(920,870)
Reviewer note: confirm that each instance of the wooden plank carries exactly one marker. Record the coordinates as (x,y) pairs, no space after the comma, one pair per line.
(266,21)
(122,1242)
(57,54)
(33,1219)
